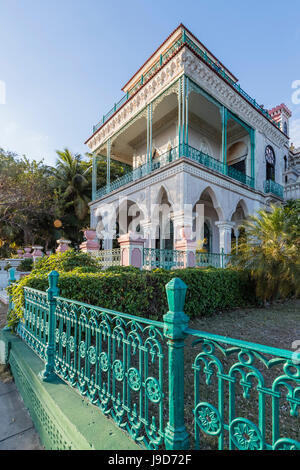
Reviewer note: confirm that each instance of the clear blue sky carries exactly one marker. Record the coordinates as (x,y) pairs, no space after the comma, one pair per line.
(64,62)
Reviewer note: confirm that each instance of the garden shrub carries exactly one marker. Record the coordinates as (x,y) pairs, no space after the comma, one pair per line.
(122,269)
(143,293)
(66,261)
(26,265)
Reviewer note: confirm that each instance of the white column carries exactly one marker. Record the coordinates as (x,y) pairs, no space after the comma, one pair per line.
(182,219)
(148,233)
(109,235)
(236,234)
(225,228)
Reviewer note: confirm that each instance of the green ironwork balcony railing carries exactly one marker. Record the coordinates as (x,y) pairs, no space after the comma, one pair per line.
(272,187)
(222,393)
(170,156)
(174,48)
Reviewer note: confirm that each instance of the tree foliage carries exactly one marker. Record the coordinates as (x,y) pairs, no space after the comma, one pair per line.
(271,251)
(34,195)
(26,205)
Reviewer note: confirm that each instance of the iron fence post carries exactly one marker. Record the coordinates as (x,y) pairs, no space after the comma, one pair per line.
(48,374)
(175,322)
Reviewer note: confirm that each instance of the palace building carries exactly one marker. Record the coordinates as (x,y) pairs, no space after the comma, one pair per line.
(191,136)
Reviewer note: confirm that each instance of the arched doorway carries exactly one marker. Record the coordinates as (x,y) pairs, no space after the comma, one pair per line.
(238,233)
(205,216)
(128,219)
(165,227)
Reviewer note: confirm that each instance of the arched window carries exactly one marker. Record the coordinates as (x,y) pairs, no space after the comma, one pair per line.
(285,128)
(285,163)
(270,163)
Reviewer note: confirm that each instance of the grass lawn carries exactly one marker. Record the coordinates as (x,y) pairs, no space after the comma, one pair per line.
(277,326)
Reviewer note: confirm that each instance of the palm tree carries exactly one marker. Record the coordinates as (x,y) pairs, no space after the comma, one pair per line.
(270,251)
(72,173)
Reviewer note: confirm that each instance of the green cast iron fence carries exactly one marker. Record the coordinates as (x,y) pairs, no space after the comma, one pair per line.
(209,259)
(236,380)
(107,258)
(159,258)
(246,395)
(162,258)
(34,330)
(116,361)
(217,260)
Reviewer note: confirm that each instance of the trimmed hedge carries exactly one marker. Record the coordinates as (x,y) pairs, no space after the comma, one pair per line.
(143,293)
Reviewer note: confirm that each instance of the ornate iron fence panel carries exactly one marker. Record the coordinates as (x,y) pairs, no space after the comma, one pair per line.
(209,259)
(217,260)
(166,259)
(246,395)
(116,361)
(34,328)
(108,258)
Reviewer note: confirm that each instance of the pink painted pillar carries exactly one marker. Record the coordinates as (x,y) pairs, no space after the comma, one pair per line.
(187,246)
(131,250)
(63,245)
(91,243)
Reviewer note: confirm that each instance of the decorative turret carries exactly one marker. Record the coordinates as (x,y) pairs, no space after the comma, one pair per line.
(281,114)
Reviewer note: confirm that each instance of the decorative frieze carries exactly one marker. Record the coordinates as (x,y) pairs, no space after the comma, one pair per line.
(170,72)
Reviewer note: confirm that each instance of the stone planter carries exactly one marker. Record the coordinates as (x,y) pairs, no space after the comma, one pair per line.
(63,245)
(27,252)
(91,243)
(37,252)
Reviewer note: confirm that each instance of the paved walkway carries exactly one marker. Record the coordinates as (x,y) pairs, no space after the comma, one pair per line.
(16,427)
